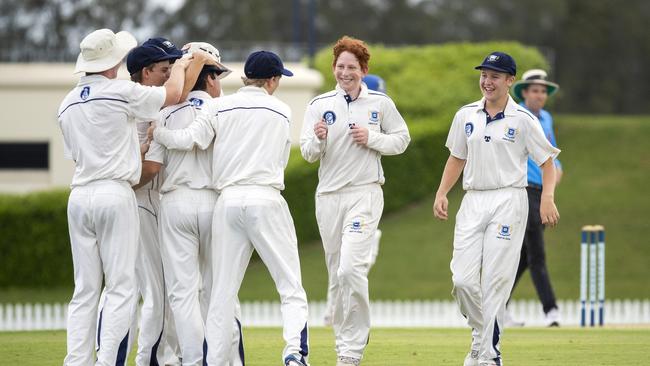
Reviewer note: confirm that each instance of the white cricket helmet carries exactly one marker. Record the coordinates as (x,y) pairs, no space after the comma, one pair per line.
(210,50)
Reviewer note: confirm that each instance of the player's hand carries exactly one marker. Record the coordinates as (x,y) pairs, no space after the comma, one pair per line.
(144,147)
(320,129)
(150,130)
(440,205)
(548,212)
(183,62)
(359,134)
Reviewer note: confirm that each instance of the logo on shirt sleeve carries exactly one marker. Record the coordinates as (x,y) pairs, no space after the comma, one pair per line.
(85,93)
(374,117)
(329,117)
(469,128)
(510,134)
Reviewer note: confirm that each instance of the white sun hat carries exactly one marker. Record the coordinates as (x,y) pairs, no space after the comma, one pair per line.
(213,52)
(534,76)
(102,50)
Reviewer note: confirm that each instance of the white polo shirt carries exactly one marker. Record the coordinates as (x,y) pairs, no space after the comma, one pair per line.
(252,142)
(98,120)
(496,152)
(191,168)
(343,162)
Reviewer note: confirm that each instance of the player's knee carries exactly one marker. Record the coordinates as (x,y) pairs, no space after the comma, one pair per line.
(464,283)
(348,274)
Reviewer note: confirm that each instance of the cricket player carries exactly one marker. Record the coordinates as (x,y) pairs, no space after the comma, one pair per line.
(349,129)
(150,64)
(376,83)
(98,121)
(188,201)
(251,151)
(533,90)
(490,141)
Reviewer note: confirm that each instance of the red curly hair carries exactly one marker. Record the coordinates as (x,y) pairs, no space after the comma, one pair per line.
(356,47)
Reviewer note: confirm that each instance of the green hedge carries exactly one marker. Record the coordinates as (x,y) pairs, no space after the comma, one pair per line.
(428,84)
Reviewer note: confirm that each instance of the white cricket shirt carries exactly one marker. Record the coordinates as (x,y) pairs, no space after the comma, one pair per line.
(191,168)
(343,162)
(251,138)
(496,152)
(98,121)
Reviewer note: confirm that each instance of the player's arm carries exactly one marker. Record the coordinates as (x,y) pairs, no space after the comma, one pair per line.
(174,85)
(313,137)
(450,175)
(547,209)
(192,72)
(200,133)
(149,170)
(394,137)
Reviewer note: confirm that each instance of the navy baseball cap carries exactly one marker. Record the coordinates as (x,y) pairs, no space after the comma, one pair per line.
(152,51)
(264,65)
(499,61)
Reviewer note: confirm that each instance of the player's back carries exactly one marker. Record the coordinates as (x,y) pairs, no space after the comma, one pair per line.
(97,120)
(252,142)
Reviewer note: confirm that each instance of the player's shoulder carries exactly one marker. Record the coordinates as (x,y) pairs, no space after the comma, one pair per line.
(469,108)
(280,107)
(175,109)
(524,114)
(323,97)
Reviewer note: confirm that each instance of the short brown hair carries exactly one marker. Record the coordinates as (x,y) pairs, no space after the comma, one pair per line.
(136,77)
(356,47)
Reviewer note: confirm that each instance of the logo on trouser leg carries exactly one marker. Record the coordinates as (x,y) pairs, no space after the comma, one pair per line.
(356,226)
(504,232)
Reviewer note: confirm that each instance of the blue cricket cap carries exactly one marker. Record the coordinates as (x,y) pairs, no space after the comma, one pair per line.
(264,65)
(499,61)
(375,82)
(152,51)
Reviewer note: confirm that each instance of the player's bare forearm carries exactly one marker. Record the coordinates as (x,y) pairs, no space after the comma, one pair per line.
(192,72)
(149,171)
(548,211)
(453,169)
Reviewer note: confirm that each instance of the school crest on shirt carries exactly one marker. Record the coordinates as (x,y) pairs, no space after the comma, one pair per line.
(85,93)
(469,128)
(374,117)
(504,232)
(510,133)
(196,102)
(329,117)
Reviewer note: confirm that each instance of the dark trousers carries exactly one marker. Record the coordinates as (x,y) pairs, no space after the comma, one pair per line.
(533,256)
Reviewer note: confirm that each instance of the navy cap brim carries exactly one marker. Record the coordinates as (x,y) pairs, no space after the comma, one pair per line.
(286,72)
(479,67)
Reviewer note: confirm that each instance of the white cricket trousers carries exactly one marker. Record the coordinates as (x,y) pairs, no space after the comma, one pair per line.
(247,218)
(489,232)
(347,221)
(186,235)
(155,310)
(104,228)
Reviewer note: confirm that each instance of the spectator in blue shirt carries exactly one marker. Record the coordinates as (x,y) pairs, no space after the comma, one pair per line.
(533,90)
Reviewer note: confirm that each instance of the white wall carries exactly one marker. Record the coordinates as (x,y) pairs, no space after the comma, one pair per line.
(30,95)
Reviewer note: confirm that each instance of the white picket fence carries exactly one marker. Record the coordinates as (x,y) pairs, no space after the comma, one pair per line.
(430,313)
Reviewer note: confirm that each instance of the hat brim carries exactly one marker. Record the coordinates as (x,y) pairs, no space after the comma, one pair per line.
(219,67)
(286,72)
(124,42)
(494,68)
(519,86)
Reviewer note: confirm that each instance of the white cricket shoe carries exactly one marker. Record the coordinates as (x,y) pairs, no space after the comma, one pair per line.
(347,361)
(488,363)
(472,358)
(294,360)
(552,318)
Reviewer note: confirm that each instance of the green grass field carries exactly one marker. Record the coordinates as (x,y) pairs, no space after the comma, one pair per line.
(399,347)
(606,161)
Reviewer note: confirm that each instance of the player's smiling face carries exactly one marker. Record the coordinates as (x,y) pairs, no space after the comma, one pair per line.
(495,85)
(348,72)
(158,74)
